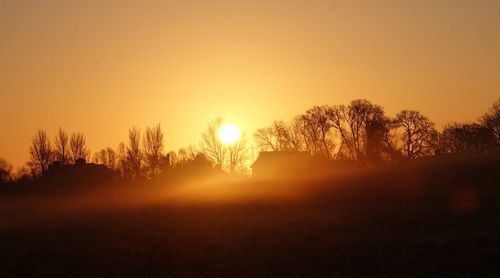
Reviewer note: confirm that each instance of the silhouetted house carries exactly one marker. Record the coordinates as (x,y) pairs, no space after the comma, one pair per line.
(298,165)
(81,161)
(80,172)
(282,164)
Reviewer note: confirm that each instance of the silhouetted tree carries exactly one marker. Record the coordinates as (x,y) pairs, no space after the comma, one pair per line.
(172,158)
(182,156)
(418,134)
(276,137)
(318,130)
(110,160)
(359,131)
(491,120)
(297,134)
(311,134)
(378,138)
(362,114)
(78,147)
(107,157)
(238,154)
(134,153)
(337,116)
(390,149)
(153,149)
(5,171)
(185,155)
(363,130)
(40,153)
(466,138)
(121,160)
(61,147)
(167,162)
(211,145)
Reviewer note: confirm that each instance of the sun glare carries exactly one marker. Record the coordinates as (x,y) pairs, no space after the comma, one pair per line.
(229,133)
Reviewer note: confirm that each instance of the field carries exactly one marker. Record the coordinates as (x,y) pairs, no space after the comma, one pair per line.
(426,219)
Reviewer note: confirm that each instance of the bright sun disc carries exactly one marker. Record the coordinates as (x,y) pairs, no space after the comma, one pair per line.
(229,133)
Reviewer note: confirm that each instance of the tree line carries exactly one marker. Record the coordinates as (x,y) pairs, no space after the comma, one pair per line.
(142,157)
(360,131)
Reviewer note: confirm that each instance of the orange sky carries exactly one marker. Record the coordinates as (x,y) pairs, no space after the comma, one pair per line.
(182,63)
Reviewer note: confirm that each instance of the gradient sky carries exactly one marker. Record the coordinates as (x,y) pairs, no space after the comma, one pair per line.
(101,67)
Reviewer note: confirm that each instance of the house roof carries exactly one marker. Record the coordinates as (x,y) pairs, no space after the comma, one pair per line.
(282,156)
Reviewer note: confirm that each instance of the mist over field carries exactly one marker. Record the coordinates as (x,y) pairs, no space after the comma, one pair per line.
(434,217)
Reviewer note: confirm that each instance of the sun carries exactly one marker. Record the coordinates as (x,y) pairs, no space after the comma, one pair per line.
(229,133)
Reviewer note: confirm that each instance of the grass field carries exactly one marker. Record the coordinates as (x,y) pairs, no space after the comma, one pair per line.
(429,219)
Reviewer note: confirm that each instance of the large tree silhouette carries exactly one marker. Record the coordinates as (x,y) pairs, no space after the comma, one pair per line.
(134,153)
(337,116)
(466,138)
(362,128)
(122,161)
(277,137)
(318,131)
(418,134)
(238,154)
(298,134)
(40,152)
(359,131)
(153,149)
(77,144)
(107,157)
(211,145)
(61,147)
(362,115)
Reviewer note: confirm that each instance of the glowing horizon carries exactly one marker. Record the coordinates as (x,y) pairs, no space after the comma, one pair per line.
(101,68)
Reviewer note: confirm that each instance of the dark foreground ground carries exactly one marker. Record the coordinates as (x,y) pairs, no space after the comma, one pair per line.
(423,220)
